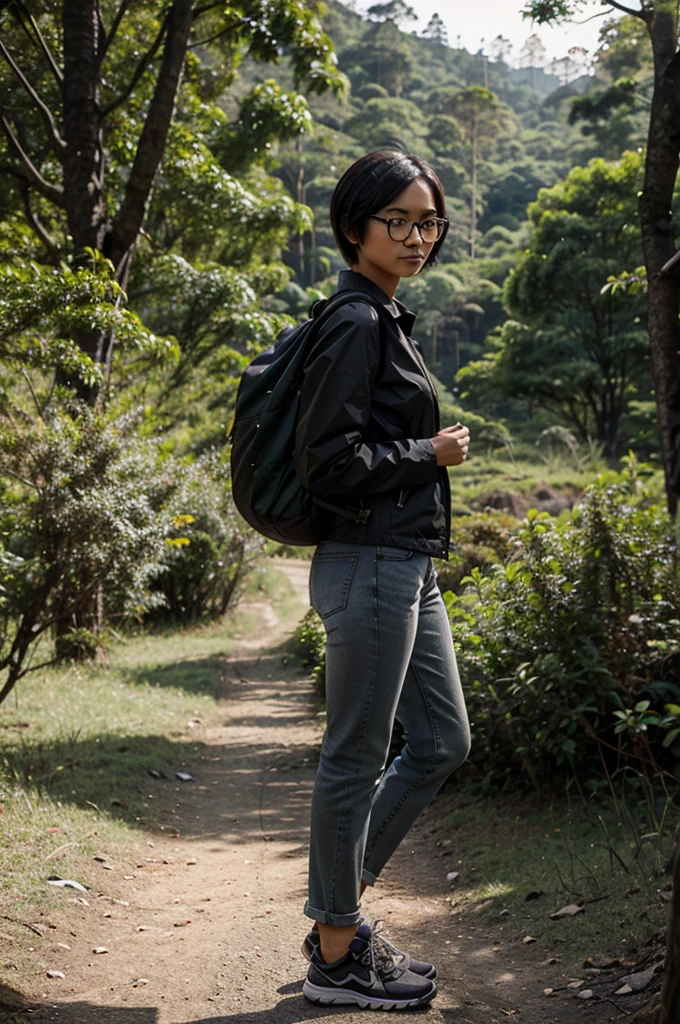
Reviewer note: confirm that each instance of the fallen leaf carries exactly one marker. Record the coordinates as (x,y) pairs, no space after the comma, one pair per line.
(548,991)
(140,982)
(528,939)
(192,861)
(569,911)
(574,984)
(182,924)
(54,830)
(65,883)
(549,961)
(602,965)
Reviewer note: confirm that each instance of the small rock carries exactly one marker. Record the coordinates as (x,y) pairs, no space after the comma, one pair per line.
(639,981)
(504,913)
(548,991)
(100,949)
(528,939)
(63,945)
(139,982)
(453,876)
(184,777)
(142,927)
(192,861)
(55,974)
(586,993)
(574,984)
(625,990)
(549,961)
(569,911)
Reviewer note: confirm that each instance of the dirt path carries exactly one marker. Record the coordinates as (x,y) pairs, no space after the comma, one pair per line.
(207,927)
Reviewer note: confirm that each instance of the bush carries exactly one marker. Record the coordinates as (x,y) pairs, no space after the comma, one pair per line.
(79,534)
(570,650)
(309,644)
(478,541)
(209,548)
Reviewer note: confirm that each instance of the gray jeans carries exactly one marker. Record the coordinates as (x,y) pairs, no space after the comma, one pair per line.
(389,655)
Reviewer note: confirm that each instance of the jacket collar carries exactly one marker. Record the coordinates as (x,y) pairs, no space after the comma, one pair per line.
(351,280)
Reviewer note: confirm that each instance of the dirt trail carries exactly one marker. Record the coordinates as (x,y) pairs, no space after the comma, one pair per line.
(212,931)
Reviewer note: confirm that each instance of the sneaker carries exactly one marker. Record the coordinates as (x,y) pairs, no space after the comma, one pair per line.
(368,976)
(310,945)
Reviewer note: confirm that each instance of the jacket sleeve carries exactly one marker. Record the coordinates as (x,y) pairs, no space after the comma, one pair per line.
(331,455)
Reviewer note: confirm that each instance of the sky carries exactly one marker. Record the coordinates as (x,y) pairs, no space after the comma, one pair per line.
(474,20)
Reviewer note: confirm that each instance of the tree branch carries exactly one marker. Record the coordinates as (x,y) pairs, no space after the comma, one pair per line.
(32,174)
(218,35)
(628,10)
(139,71)
(56,70)
(58,143)
(115,25)
(206,7)
(32,217)
(151,146)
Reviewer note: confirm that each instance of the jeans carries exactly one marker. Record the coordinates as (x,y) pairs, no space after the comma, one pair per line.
(389,654)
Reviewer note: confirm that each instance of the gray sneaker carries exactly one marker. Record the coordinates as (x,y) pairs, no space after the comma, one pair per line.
(310,945)
(368,977)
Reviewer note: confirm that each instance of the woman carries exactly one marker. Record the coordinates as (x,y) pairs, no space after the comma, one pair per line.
(369,437)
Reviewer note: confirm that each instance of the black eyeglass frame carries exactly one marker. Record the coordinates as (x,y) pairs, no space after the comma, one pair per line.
(441,221)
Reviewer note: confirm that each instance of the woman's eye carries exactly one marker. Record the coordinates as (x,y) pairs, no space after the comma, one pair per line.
(398,222)
(428,224)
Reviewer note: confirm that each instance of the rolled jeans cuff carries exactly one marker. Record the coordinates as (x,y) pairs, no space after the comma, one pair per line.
(339,920)
(368,878)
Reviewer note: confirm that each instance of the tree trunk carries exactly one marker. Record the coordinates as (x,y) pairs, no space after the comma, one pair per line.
(128,220)
(663,149)
(84,195)
(665,1007)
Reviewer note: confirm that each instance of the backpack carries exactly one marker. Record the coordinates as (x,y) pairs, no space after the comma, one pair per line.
(265,487)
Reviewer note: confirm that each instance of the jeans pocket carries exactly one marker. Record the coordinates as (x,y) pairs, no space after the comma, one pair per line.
(330,582)
(390,554)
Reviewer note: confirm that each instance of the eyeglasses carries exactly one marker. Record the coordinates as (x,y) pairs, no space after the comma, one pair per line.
(430,230)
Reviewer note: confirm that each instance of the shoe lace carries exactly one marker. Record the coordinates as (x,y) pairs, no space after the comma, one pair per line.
(382,955)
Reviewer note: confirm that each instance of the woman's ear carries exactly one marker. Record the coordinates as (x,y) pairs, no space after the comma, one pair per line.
(349,234)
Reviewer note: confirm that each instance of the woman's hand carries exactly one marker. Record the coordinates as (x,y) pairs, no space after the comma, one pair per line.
(451,445)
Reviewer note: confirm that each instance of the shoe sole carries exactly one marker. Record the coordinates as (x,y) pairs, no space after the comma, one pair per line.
(346,997)
(430,976)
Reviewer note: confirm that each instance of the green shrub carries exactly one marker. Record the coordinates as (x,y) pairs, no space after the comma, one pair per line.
(478,541)
(209,549)
(309,644)
(580,623)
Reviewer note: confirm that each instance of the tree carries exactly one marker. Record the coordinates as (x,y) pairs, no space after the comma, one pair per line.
(659,18)
(501,49)
(571,348)
(396,11)
(480,115)
(73,79)
(436,30)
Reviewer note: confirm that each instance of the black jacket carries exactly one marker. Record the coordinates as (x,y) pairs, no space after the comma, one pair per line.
(367,411)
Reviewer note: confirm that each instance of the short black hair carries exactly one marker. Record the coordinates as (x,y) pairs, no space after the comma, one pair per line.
(370,184)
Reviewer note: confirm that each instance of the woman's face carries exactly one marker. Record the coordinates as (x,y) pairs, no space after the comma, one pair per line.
(385,261)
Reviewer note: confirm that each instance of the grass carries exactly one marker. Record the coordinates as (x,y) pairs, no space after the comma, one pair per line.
(519,864)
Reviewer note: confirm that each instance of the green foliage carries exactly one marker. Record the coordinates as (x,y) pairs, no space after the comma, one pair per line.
(574,347)
(581,622)
(309,644)
(208,550)
(77,513)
